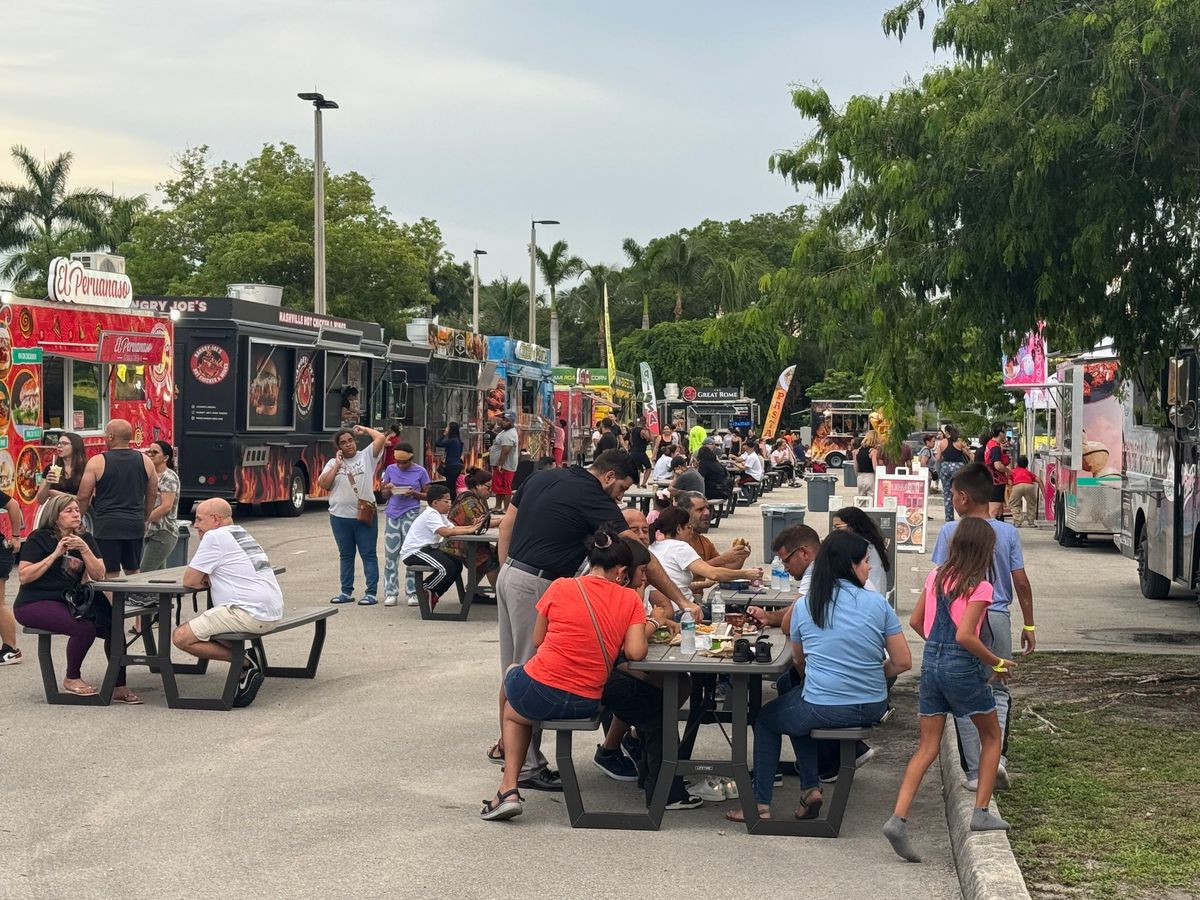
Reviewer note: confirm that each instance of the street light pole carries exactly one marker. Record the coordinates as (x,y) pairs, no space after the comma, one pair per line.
(475,293)
(533,274)
(319,103)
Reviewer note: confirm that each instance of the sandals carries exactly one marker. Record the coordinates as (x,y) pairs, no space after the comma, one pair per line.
(762,650)
(736,815)
(505,805)
(742,651)
(129,698)
(84,690)
(808,808)
(496,754)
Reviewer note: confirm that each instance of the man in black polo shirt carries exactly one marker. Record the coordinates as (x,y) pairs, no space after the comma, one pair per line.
(541,540)
(609,439)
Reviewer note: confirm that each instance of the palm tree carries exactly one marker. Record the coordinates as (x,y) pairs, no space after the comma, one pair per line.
(737,287)
(122,214)
(677,259)
(556,266)
(45,217)
(505,299)
(593,294)
(636,254)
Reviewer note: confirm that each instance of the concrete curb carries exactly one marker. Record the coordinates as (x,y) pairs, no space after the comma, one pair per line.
(987,869)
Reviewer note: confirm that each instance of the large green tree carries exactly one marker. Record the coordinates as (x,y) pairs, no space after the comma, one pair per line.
(556,267)
(253,222)
(1049,173)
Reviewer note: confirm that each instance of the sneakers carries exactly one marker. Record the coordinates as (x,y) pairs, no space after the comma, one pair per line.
(631,745)
(141,601)
(252,679)
(389,600)
(413,601)
(971,782)
(545,780)
(9,656)
(859,761)
(342,598)
(368,600)
(689,802)
(709,787)
(615,764)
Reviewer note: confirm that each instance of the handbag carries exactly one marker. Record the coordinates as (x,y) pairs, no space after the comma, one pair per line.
(366,508)
(81,601)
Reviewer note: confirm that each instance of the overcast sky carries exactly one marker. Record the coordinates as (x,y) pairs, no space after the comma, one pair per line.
(621,119)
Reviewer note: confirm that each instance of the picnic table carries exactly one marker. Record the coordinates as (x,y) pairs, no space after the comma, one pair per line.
(467,593)
(639,497)
(764,597)
(166,585)
(672,664)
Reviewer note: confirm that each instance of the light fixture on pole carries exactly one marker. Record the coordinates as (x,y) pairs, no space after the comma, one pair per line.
(319,103)
(533,274)
(475,292)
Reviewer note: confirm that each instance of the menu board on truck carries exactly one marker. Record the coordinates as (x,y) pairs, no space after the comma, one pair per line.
(910,493)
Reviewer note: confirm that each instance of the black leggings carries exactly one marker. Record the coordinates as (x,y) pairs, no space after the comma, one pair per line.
(451,473)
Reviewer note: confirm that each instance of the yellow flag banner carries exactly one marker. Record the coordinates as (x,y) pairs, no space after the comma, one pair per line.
(611,361)
(777,400)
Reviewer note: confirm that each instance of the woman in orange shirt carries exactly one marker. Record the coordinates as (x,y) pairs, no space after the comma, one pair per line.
(582,624)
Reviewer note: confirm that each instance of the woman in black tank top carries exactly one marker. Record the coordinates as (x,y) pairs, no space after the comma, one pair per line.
(952,456)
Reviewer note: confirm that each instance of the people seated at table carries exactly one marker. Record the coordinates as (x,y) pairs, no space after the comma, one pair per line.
(422,544)
(851,518)
(662,501)
(246,597)
(582,625)
(839,633)
(687,480)
(717,483)
(663,465)
(56,561)
(470,507)
(784,459)
(697,507)
(750,464)
(680,561)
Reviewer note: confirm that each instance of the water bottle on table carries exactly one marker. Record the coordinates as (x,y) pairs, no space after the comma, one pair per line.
(687,633)
(779,575)
(716,605)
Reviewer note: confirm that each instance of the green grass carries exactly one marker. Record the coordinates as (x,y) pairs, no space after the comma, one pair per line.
(1107,802)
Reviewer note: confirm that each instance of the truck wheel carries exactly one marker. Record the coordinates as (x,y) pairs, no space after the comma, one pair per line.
(294,505)
(1066,537)
(834,461)
(1153,585)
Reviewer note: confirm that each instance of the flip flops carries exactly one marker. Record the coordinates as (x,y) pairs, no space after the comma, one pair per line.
(129,699)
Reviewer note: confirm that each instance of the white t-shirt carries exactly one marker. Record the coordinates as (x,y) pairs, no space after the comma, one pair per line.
(506,438)
(423,531)
(240,573)
(662,469)
(675,557)
(876,580)
(343,500)
(754,465)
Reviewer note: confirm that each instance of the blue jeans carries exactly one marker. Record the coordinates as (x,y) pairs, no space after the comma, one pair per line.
(538,702)
(794,716)
(353,536)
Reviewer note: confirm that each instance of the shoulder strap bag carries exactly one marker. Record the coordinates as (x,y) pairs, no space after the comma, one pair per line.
(608,666)
(366,508)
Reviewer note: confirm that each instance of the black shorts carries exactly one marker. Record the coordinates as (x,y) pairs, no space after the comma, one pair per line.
(641,460)
(998,493)
(121,553)
(6,562)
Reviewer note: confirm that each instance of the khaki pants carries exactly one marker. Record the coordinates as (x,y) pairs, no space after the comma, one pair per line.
(1023,502)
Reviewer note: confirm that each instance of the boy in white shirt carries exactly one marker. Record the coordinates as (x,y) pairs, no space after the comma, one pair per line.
(420,547)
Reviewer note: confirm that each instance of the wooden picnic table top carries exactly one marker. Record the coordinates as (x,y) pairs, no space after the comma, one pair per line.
(667,658)
(160,581)
(764,597)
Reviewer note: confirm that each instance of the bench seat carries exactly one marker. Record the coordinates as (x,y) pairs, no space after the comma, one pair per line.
(428,612)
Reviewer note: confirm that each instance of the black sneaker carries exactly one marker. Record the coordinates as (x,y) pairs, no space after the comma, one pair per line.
(545,780)
(631,745)
(615,764)
(248,688)
(141,601)
(689,802)
(9,656)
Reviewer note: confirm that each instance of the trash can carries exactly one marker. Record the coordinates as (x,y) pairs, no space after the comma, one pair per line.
(820,489)
(849,476)
(179,555)
(776,517)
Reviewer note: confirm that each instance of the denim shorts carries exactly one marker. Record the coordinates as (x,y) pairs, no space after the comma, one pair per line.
(953,681)
(537,702)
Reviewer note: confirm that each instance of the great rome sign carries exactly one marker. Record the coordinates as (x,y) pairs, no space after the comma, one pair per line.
(69,282)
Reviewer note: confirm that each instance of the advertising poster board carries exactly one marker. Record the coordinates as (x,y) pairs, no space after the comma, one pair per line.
(1028,365)
(910,493)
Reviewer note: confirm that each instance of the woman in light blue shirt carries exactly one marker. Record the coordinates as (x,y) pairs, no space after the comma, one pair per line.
(839,633)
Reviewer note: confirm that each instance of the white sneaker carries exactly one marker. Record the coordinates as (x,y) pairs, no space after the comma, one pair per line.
(412,601)
(707,788)
(389,601)
(971,783)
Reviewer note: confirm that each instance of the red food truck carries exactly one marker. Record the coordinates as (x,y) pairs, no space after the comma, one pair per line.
(73,362)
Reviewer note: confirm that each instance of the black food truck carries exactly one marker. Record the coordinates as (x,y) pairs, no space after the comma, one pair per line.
(262,389)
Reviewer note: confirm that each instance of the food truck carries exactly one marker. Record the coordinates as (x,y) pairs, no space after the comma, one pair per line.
(459,376)
(73,362)
(835,425)
(524,383)
(263,389)
(617,399)
(1160,504)
(715,408)
(574,404)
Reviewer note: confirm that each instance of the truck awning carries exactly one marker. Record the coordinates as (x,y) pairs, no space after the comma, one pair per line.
(124,347)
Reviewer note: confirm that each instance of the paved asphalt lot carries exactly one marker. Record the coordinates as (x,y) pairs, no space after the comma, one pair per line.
(366,782)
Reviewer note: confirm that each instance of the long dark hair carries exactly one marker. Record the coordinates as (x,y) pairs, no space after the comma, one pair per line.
(452,430)
(835,562)
(606,550)
(78,456)
(864,526)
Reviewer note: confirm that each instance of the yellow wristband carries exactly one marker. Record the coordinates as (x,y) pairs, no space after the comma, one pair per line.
(1001,666)
(1027,628)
